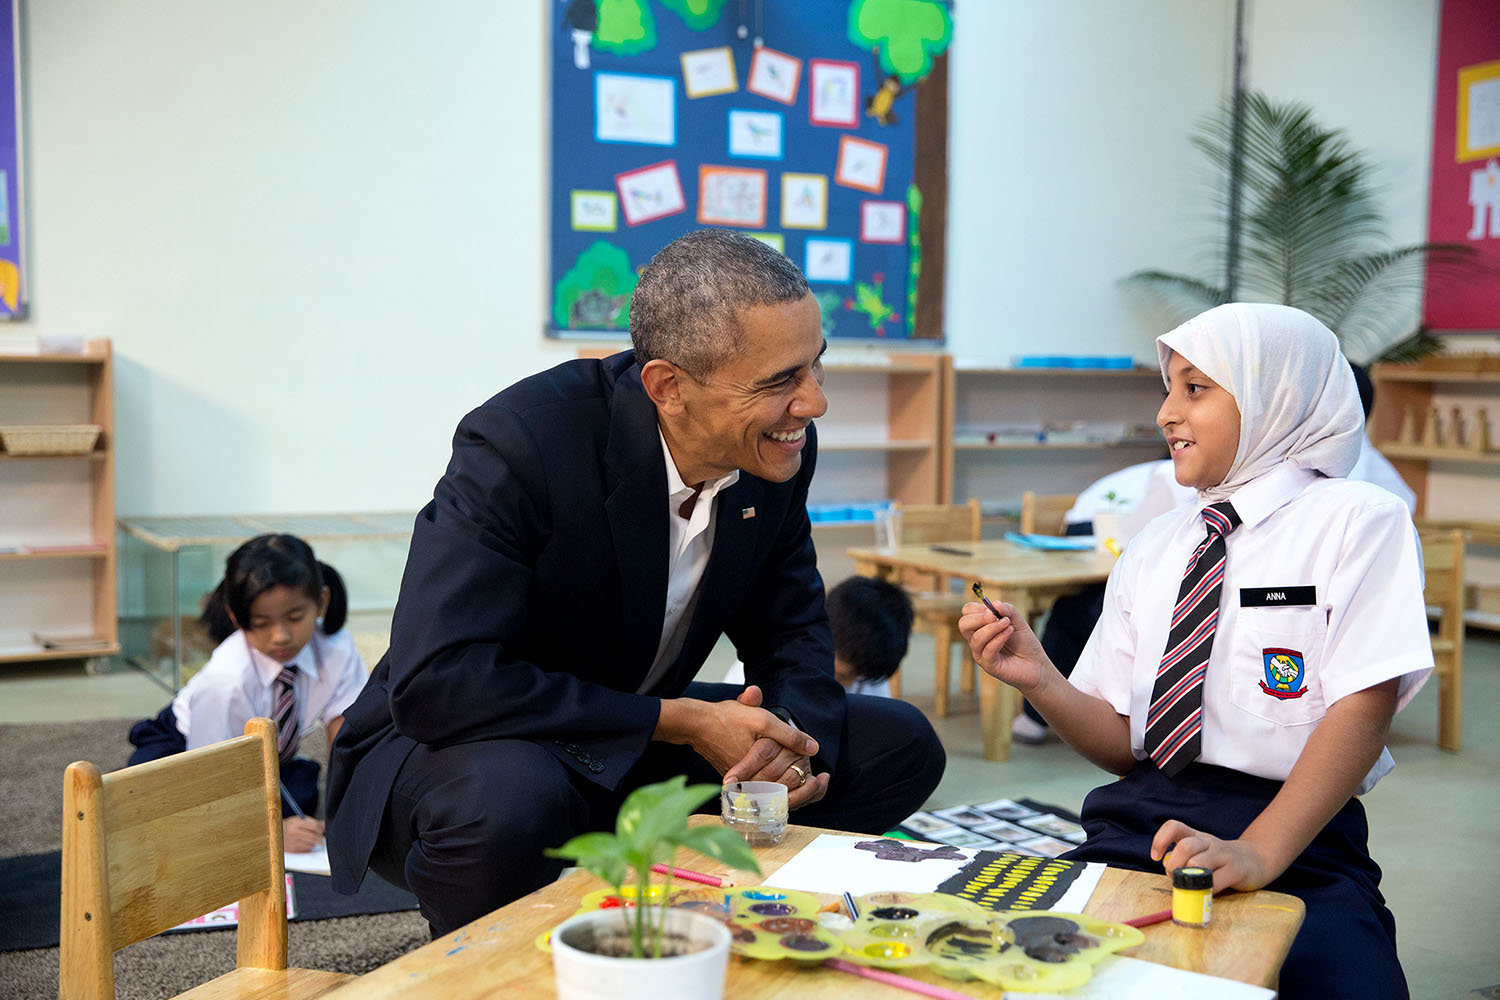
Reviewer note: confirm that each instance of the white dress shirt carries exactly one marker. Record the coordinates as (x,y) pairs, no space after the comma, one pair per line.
(689,542)
(236,684)
(1366,622)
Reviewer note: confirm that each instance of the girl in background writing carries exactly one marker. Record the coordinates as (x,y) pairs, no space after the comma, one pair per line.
(1245,700)
(282,653)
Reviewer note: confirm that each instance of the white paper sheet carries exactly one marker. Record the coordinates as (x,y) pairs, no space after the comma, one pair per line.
(1119,978)
(832,864)
(314,862)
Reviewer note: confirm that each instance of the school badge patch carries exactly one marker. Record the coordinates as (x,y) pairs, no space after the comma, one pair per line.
(1284,672)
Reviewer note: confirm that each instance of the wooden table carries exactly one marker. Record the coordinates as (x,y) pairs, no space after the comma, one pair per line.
(496,955)
(1031,579)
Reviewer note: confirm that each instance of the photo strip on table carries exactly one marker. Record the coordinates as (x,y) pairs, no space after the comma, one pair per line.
(1019,826)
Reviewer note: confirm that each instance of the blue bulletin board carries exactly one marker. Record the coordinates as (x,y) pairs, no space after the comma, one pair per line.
(795,121)
(12,297)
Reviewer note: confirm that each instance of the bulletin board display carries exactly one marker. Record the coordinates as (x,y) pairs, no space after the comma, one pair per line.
(12,297)
(793,122)
(1464,205)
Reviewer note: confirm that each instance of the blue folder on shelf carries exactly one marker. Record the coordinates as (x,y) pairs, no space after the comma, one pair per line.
(1054,543)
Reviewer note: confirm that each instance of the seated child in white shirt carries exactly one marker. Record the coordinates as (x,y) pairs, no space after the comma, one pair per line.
(282,653)
(1244,701)
(871,623)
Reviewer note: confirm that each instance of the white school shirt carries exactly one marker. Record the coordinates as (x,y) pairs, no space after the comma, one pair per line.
(236,686)
(1366,623)
(689,542)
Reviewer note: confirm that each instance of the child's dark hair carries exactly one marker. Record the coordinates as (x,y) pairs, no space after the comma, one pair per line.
(871,622)
(267,561)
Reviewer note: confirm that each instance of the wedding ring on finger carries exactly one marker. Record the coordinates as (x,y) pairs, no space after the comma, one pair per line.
(801,774)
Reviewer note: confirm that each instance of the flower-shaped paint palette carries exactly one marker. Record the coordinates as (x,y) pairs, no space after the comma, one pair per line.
(1022,951)
(770,923)
(1019,950)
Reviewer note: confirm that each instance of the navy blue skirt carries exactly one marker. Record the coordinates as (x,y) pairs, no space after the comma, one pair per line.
(156,738)
(1347,944)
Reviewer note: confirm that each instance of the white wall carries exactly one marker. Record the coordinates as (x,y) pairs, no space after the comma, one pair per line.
(315,230)
(1070,167)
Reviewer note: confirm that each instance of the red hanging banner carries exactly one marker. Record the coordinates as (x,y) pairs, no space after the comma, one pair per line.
(1464,201)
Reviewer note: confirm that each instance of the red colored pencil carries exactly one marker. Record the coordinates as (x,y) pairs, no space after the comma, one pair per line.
(1150,918)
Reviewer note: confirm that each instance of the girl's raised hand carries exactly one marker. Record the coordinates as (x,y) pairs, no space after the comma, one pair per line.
(1006,649)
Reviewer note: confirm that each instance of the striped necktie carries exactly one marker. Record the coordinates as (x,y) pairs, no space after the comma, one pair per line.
(1174,726)
(284,712)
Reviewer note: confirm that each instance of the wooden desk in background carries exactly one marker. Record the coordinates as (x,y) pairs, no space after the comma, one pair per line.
(496,955)
(1031,579)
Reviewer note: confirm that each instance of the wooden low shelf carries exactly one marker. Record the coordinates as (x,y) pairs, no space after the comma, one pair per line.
(70,552)
(33,652)
(1424,453)
(88,456)
(1154,443)
(49,588)
(824,445)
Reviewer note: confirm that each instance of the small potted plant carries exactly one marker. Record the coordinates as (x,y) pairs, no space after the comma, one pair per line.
(643,950)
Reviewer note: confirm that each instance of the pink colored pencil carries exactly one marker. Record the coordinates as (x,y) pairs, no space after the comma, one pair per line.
(901,982)
(690,876)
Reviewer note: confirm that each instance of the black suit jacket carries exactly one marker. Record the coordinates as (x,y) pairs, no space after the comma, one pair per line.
(532,602)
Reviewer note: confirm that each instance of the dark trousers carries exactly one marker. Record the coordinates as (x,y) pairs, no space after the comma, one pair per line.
(1347,944)
(156,738)
(466,824)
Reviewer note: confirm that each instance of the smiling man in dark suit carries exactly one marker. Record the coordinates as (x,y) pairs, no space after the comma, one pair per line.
(599,526)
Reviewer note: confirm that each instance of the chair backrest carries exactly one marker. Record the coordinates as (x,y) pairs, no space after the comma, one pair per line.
(1043,513)
(959,522)
(1443,566)
(148,847)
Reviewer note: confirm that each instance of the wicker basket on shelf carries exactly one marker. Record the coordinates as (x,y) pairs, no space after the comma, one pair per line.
(48,439)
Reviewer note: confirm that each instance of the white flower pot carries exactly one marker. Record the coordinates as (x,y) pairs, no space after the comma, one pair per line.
(582,975)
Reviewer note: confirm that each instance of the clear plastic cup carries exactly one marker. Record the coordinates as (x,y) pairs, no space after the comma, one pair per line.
(756,810)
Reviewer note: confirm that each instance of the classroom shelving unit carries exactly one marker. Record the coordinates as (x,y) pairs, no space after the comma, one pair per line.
(1455,484)
(1100,421)
(883,436)
(57,511)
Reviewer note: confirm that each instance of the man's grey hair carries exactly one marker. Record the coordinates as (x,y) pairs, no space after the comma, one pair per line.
(685,307)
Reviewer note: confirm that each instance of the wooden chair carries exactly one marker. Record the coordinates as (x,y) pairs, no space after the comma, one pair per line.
(1043,513)
(148,847)
(1443,560)
(936,607)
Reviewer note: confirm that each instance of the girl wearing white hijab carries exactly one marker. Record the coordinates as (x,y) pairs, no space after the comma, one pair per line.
(1245,700)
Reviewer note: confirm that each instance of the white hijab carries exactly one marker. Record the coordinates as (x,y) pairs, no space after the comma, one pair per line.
(1296,393)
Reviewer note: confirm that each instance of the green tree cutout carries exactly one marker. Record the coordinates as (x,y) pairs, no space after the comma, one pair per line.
(595,293)
(626,27)
(905,33)
(696,14)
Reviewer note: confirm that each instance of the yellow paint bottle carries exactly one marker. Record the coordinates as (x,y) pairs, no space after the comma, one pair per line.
(1192,896)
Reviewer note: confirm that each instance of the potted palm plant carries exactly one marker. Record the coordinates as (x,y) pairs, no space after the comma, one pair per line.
(1302,227)
(647,951)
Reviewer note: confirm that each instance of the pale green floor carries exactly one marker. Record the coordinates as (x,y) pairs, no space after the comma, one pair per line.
(1434,821)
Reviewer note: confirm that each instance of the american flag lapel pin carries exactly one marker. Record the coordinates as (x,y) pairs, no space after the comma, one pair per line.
(746,513)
